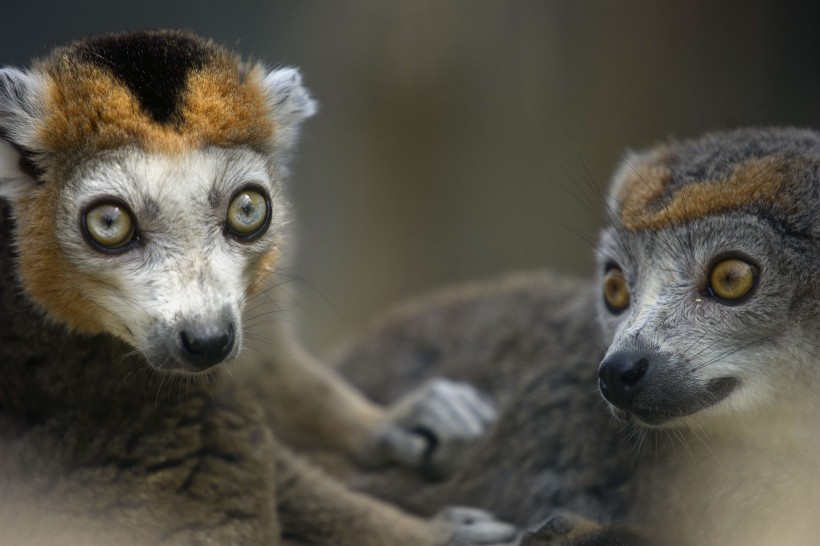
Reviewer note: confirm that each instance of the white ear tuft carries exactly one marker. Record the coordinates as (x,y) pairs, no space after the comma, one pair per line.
(13,181)
(290,104)
(21,106)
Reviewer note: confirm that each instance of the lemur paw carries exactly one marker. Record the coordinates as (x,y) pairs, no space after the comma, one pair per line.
(432,427)
(474,527)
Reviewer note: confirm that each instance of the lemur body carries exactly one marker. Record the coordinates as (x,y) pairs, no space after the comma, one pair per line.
(702,333)
(142,178)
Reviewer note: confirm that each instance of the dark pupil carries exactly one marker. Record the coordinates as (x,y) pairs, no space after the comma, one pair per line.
(111,216)
(731,276)
(247,205)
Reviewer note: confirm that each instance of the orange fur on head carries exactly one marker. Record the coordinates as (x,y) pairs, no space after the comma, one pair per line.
(644,205)
(221,111)
(88,109)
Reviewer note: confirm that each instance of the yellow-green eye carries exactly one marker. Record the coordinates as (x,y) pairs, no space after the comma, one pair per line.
(248,214)
(110,226)
(616,291)
(732,279)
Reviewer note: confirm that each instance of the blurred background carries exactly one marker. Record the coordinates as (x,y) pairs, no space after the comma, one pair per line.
(456,138)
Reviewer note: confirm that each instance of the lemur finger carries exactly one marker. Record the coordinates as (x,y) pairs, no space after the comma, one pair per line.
(465,515)
(445,418)
(472,424)
(456,396)
(485,533)
(404,447)
(479,403)
(464,397)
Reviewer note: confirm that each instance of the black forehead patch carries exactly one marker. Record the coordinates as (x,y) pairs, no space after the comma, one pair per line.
(154,65)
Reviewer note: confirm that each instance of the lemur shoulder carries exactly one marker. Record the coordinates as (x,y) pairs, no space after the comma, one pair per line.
(700,334)
(141,177)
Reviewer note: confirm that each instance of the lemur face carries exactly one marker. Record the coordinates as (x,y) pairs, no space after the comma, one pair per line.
(144,175)
(710,277)
(165,249)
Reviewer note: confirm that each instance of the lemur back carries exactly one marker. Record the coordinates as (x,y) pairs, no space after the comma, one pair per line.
(141,177)
(701,333)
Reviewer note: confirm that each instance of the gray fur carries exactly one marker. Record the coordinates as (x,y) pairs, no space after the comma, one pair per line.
(531,342)
(713,470)
(290,104)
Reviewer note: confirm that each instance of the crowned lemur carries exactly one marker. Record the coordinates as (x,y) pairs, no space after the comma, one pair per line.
(676,392)
(142,214)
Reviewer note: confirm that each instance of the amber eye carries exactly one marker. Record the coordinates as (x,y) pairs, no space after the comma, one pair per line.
(616,291)
(248,214)
(110,226)
(732,279)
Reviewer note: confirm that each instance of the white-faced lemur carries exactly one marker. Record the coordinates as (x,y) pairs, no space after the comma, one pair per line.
(141,176)
(701,335)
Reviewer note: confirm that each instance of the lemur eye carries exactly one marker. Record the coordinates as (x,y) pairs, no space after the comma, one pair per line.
(732,279)
(616,291)
(109,226)
(248,214)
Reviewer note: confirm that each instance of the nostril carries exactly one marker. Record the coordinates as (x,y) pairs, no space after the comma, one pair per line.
(602,386)
(604,376)
(203,344)
(186,343)
(206,346)
(632,376)
(622,377)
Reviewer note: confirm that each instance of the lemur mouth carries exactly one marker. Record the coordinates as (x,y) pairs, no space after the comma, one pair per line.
(659,416)
(721,388)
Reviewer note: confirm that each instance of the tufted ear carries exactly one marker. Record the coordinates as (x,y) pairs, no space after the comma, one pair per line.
(290,104)
(21,105)
(15,179)
(618,181)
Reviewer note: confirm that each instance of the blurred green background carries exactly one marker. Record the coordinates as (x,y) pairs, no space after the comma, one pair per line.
(455,137)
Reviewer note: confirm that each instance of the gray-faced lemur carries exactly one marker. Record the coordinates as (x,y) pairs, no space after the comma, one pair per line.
(701,335)
(141,176)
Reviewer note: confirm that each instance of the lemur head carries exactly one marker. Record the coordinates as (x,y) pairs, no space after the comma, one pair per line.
(143,172)
(710,276)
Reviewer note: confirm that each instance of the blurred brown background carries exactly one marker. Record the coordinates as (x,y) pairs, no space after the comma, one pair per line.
(454,136)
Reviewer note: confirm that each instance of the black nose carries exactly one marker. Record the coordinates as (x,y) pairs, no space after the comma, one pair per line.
(621,377)
(205,346)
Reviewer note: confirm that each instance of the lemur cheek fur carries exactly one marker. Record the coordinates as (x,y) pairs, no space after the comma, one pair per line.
(262,269)
(48,276)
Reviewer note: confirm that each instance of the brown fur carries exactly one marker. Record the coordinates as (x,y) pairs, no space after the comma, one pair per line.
(222,108)
(88,110)
(262,269)
(99,447)
(46,273)
(644,205)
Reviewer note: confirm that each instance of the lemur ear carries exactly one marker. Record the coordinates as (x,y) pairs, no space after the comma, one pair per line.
(290,104)
(15,180)
(625,171)
(21,102)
